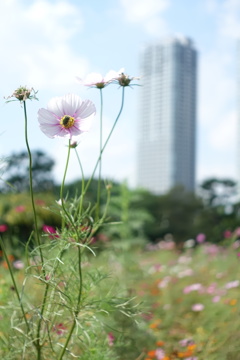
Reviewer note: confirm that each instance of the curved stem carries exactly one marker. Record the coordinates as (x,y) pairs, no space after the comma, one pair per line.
(76,312)
(100,159)
(31,188)
(106,142)
(37,341)
(79,210)
(62,186)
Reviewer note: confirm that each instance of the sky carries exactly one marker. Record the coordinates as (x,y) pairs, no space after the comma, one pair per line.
(46,44)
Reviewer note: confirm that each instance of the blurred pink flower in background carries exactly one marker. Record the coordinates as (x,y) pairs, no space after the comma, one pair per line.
(227,234)
(97,80)
(40,202)
(59,328)
(111,339)
(232,284)
(198,307)
(186,272)
(193,287)
(212,249)
(211,288)
(236,244)
(159,354)
(200,238)
(216,299)
(18,264)
(50,230)
(186,342)
(20,208)
(237,232)
(3,228)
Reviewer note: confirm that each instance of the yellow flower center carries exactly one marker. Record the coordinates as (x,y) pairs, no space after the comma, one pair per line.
(67,121)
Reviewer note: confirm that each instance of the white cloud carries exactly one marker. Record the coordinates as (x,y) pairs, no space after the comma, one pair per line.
(148,13)
(37,40)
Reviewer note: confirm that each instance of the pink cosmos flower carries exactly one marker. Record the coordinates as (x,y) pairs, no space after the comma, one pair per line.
(186,342)
(193,287)
(237,232)
(216,299)
(111,339)
(232,284)
(51,231)
(66,116)
(200,238)
(59,328)
(236,244)
(3,228)
(20,208)
(160,354)
(97,80)
(211,289)
(18,264)
(227,234)
(197,307)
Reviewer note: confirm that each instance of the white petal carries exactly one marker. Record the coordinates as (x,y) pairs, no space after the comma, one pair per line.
(45,116)
(86,109)
(111,75)
(55,105)
(52,130)
(93,78)
(71,104)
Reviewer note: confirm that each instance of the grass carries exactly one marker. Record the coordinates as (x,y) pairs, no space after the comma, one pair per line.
(184,305)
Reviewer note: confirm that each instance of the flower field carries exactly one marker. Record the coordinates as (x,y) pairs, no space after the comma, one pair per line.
(184,305)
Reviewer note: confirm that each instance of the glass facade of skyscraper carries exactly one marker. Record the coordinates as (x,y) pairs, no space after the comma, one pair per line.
(167,119)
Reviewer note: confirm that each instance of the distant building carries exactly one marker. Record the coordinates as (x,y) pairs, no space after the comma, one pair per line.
(167,121)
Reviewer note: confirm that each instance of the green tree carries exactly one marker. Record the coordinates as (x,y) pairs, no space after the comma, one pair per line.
(218,192)
(16,172)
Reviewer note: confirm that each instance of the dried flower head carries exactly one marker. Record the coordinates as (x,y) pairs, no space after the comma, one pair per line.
(124,79)
(23,93)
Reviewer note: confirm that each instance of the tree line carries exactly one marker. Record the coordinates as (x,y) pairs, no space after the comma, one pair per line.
(213,209)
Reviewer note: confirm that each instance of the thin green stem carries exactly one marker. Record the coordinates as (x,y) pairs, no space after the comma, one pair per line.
(67,341)
(31,187)
(106,142)
(100,159)
(63,184)
(37,236)
(80,207)
(76,312)
(14,283)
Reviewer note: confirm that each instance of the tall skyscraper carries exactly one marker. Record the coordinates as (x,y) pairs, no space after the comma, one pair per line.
(167,124)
